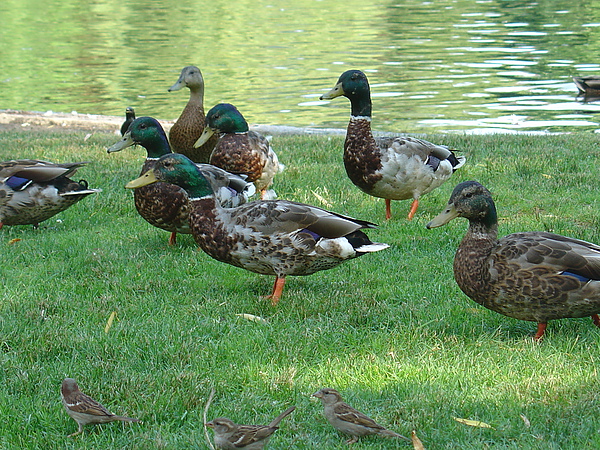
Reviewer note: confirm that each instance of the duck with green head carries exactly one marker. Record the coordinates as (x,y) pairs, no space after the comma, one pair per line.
(166,205)
(32,190)
(190,124)
(535,276)
(270,237)
(392,168)
(240,150)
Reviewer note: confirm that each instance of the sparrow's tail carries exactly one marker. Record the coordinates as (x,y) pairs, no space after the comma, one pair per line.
(391,433)
(280,417)
(126,419)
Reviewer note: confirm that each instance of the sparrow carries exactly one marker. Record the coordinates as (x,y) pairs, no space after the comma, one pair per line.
(348,420)
(229,435)
(84,409)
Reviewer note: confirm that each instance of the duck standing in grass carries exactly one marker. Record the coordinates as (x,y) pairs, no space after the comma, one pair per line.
(393,168)
(271,237)
(165,205)
(535,276)
(129,117)
(190,124)
(32,191)
(240,150)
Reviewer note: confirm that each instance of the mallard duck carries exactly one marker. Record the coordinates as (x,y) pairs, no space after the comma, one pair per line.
(165,205)
(240,150)
(129,117)
(535,276)
(588,86)
(271,237)
(188,128)
(393,168)
(32,191)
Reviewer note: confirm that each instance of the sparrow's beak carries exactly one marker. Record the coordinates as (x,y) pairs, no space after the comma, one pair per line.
(209,424)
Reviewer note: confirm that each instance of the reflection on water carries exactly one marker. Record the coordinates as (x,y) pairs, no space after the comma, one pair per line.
(433,65)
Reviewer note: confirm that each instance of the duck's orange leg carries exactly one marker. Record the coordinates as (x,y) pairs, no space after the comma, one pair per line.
(413,209)
(541,329)
(173,238)
(596,320)
(263,193)
(277,291)
(388,209)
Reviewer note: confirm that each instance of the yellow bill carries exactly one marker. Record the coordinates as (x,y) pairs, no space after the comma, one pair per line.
(144,180)
(205,136)
(444,217)
(335,92)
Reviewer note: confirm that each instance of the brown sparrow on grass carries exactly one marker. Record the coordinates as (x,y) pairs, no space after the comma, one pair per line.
(348,420)
(229,435)
(84,409)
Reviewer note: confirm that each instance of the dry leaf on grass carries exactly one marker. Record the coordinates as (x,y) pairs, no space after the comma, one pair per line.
(416,442)
(252,318)
(110,321)
(473,423)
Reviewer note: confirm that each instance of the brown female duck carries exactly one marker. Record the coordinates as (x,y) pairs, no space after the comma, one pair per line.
(535,276)
(190,124)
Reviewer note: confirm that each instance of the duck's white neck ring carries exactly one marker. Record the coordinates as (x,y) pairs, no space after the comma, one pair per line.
(200,198)
(367,118)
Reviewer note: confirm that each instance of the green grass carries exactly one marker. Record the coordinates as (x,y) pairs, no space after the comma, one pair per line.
(390,330)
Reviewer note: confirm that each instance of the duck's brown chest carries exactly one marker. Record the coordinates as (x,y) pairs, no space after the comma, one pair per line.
(362,158)
(235,155)
(209,233)
(472,271)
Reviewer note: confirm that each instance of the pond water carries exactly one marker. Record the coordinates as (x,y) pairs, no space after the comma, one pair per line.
(434,66)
